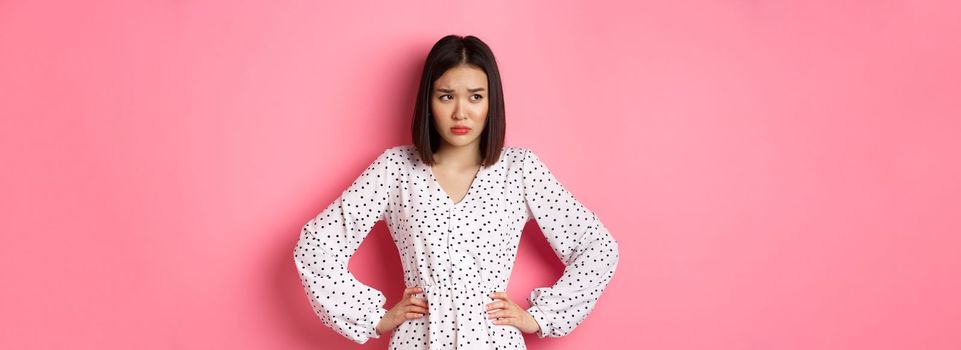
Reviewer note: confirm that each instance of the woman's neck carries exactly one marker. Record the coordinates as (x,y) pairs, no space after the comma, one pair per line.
(458,157)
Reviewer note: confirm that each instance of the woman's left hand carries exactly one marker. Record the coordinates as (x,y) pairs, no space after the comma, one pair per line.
(503,311)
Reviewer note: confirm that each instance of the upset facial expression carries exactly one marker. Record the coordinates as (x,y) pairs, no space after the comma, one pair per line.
(459,105)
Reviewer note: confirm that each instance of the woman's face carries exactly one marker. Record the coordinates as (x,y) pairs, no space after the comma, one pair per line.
(458,105)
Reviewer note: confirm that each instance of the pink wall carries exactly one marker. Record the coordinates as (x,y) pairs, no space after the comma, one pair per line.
(781,175)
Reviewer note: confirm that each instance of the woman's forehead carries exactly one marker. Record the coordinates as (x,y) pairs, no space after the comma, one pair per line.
(462,74)
(462,78)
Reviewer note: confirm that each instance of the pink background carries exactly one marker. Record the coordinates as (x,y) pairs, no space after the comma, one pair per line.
(781,175)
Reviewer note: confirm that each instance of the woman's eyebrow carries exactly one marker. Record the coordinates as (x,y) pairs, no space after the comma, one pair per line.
(452,90)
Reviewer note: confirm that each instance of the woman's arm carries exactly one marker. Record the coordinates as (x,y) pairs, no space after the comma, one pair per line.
(327,242)
(580,241)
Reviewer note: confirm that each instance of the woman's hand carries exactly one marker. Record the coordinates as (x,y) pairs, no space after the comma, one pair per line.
(409,307)
(505,312)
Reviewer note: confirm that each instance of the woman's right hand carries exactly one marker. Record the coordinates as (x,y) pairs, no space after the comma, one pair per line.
(409,307)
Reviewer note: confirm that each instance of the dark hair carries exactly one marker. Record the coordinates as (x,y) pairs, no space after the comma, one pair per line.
(451,51)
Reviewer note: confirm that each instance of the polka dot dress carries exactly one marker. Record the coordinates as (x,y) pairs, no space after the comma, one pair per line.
(459,253)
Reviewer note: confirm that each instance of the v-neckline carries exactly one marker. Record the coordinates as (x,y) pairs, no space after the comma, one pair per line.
(470,189)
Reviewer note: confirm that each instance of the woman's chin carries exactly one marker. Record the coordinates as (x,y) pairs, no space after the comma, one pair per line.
(460,140)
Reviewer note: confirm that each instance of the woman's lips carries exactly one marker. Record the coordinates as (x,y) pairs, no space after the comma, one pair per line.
(459,131)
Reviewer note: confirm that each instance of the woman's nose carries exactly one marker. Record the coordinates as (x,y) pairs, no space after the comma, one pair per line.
(459,111)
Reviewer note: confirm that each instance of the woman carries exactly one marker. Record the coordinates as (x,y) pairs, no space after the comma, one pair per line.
(455,203)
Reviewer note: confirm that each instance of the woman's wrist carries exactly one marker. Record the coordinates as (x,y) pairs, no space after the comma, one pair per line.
(381,327)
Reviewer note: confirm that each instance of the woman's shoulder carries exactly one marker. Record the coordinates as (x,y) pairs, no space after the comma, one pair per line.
(401,149)
(408,155)
(516,149)
(402,155)
(515,154)
(407,152)
(412,149)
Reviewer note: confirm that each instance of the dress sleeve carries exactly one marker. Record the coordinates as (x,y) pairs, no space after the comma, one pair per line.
(580,241)
(328,241)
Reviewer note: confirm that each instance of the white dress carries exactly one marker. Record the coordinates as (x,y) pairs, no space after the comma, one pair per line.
(459,253)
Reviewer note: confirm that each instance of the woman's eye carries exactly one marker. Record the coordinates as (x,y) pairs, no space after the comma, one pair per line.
(448,97)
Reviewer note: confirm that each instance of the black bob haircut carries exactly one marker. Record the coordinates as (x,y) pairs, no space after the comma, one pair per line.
(451,51)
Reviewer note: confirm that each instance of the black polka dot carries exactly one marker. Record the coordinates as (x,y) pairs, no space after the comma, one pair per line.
(459,253)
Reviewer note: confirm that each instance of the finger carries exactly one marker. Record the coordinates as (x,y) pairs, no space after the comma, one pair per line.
(497,305)
(505,320)
(499,295)
(417,309)
(500,314)
(412,290)
(412,315)
(417,301)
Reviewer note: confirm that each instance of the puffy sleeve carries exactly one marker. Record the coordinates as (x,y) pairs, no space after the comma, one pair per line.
(328,241)
(580,241)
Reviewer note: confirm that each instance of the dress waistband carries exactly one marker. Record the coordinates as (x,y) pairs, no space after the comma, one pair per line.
(439,289)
